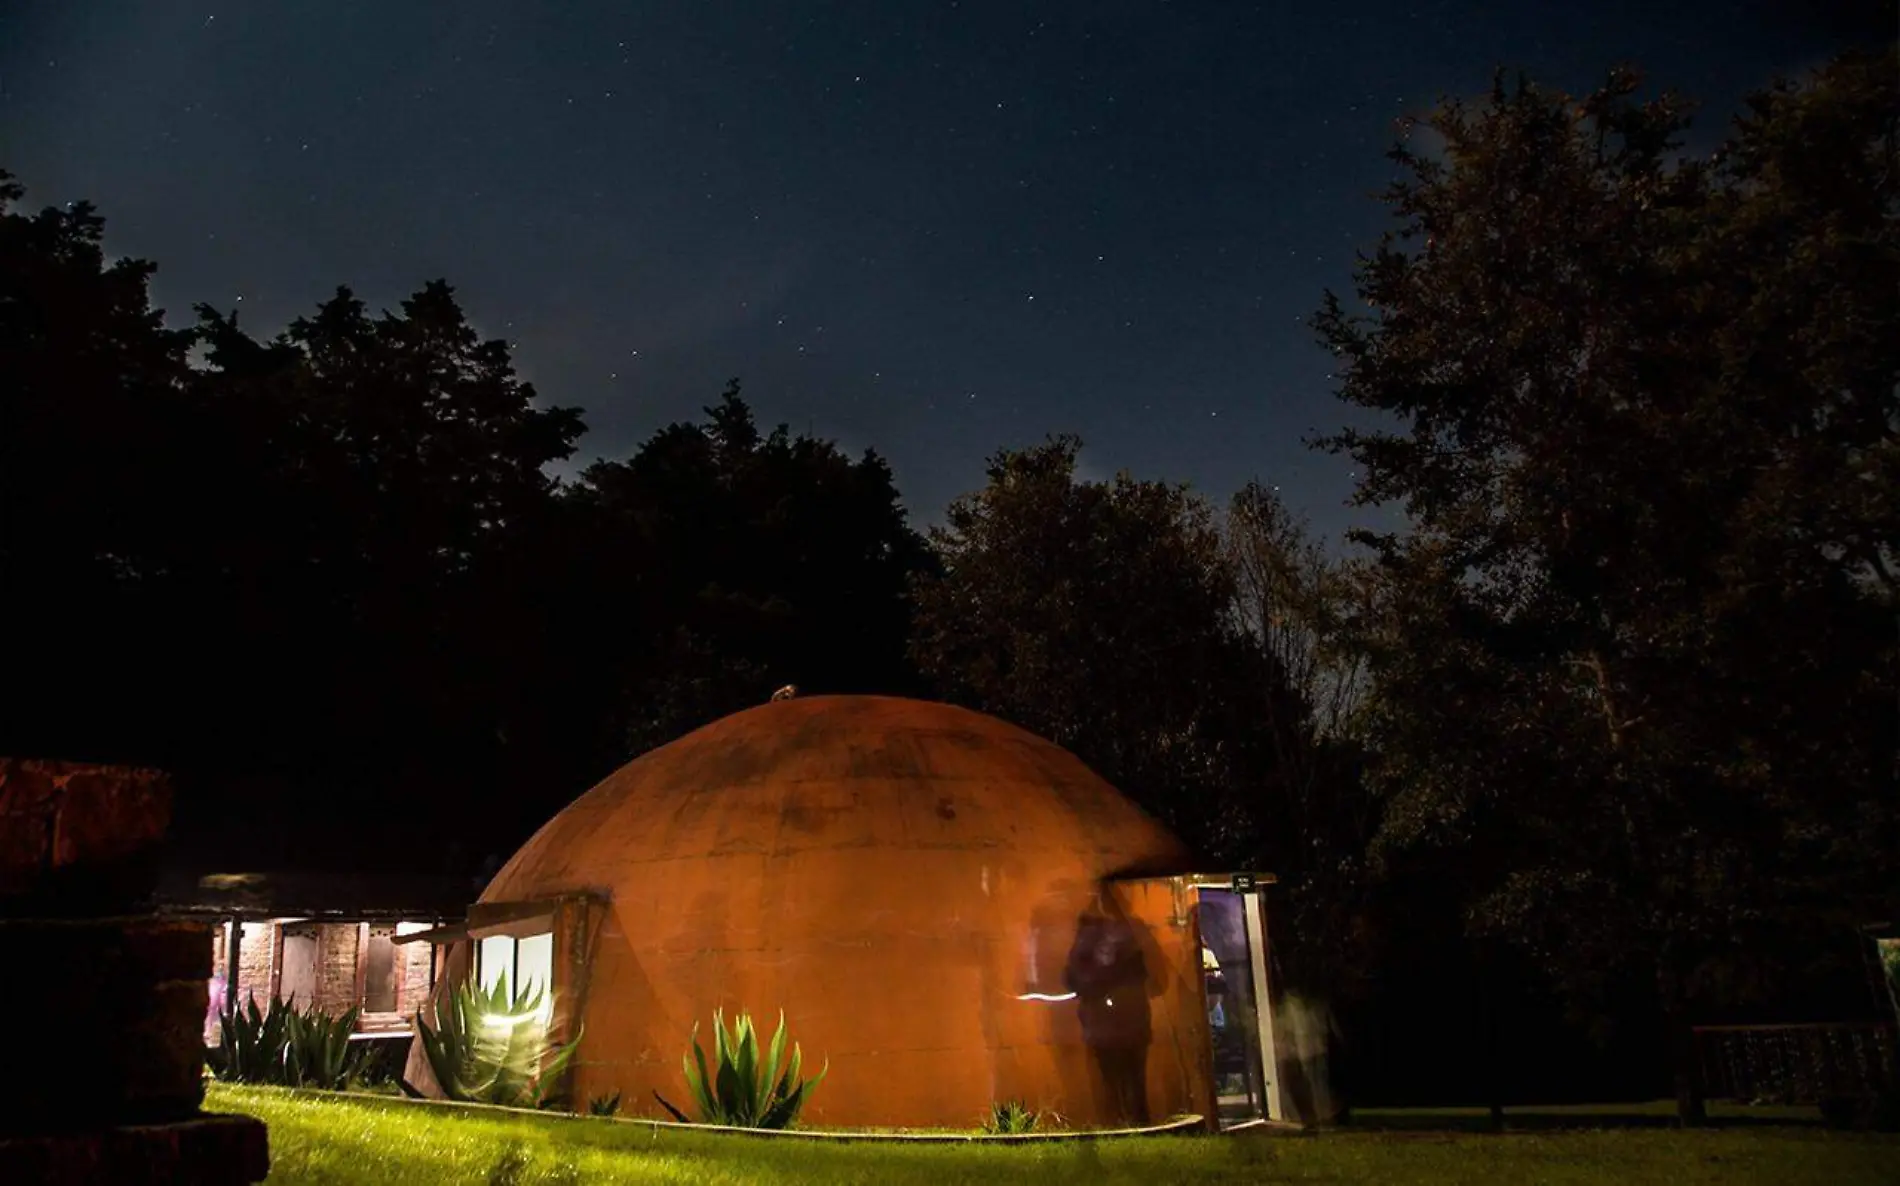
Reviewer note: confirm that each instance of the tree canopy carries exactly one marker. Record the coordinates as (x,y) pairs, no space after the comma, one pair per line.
(1637,659)
(771,559)
(328,572)
(1091,613)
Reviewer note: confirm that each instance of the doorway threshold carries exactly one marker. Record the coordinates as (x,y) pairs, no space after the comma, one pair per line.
(1262,1125)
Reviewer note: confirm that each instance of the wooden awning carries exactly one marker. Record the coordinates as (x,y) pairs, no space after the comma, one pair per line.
(1225,881)
(486,919)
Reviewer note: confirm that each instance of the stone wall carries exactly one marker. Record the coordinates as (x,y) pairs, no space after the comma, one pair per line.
(78,840)
(108,1021)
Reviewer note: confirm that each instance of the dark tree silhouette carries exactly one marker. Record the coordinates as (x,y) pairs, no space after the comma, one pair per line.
(1097,614)
(384,472)
(327,578)
(103,472)
(1300,610)
(763,559)
(1636,678)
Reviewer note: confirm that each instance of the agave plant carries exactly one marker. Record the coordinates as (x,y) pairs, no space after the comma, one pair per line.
(487,1047)
(282,1046)
(745,1091)
(604,1105)
(1010,1117)
(252,1042)
(318,1051)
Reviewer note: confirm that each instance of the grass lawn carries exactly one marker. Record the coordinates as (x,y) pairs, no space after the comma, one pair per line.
(319,1138)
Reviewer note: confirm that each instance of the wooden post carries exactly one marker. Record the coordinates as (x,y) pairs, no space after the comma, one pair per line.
(231,961)
(362,963)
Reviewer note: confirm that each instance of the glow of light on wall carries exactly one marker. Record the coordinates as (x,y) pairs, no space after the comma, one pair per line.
(1046,996)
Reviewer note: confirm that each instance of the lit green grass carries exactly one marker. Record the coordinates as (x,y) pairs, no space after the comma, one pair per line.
(317,1138)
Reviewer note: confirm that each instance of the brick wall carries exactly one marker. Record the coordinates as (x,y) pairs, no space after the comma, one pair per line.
(257,948)
(414,958)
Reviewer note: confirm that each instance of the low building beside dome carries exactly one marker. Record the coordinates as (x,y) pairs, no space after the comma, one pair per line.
(328,940)
(950,912)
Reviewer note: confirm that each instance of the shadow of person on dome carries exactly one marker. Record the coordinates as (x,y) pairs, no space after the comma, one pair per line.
(1108,971)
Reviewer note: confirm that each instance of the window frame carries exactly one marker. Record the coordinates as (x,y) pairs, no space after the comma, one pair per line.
(514,960)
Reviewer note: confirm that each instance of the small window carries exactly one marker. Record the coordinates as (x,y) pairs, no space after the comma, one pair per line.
(494,960)
(528,963)
(534,962)
(379,971)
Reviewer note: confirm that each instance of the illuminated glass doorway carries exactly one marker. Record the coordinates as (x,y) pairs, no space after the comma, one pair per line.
(1239,1017)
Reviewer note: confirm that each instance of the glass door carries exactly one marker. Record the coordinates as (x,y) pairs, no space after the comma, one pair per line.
(1238,1017)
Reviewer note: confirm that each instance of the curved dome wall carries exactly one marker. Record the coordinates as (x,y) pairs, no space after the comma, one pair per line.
(897,876)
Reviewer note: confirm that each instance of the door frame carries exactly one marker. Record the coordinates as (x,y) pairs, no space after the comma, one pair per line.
(1254,917)
(1253,906)
(1187,896)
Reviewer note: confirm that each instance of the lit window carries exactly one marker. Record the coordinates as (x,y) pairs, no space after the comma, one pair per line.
(534,962)
(495,959)
(528,963)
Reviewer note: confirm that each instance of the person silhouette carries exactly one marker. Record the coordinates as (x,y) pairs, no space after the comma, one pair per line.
(1108,974)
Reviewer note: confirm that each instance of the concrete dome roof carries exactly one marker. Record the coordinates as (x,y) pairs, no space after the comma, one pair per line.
(839,774)
(883,870)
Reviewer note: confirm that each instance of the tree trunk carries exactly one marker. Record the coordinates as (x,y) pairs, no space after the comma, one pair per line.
(1493,1077)
(1691,1110)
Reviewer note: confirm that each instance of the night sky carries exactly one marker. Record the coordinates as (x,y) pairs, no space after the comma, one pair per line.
(933,227)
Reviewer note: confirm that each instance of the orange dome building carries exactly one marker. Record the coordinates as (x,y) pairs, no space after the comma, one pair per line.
(949,910)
